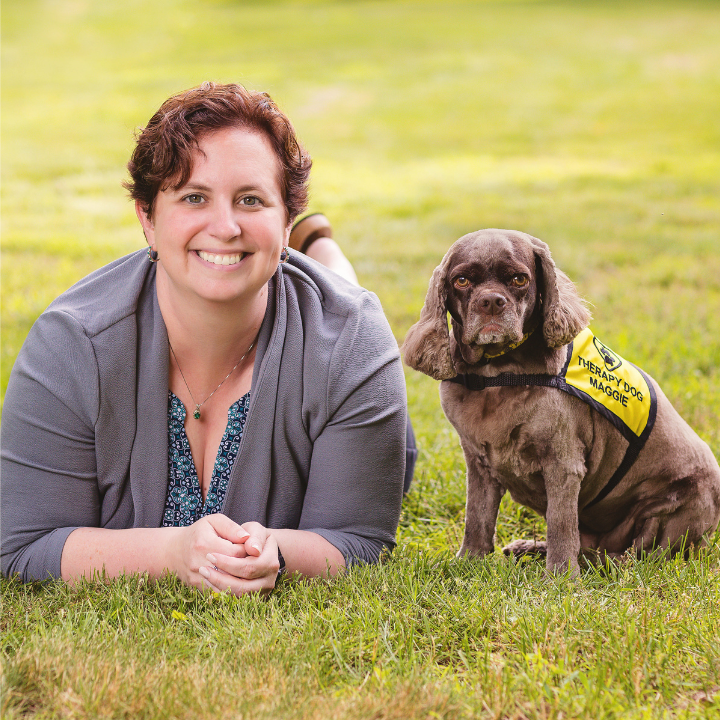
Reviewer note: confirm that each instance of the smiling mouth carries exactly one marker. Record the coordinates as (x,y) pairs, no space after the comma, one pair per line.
(220,259)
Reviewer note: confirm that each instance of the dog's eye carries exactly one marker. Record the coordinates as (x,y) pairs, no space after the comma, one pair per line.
(461,282)
(520,280)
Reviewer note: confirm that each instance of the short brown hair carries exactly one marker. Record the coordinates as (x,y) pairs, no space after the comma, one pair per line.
(163,154)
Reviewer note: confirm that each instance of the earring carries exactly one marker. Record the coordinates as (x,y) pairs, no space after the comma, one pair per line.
(152,255)
(284,255)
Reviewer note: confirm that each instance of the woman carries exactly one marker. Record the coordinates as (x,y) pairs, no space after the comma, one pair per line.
(213,408)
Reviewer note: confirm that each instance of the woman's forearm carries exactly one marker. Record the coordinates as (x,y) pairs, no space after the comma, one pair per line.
(184,551)
(89,550)
(308,553)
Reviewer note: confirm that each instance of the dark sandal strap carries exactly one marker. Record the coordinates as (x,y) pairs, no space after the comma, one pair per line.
(302,243)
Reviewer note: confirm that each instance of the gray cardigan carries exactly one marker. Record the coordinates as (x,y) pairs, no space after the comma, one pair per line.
(85,430)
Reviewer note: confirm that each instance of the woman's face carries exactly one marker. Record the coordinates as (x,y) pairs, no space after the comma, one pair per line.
(220,235)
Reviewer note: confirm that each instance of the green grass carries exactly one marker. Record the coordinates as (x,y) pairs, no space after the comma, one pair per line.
(592,125)
(420,636)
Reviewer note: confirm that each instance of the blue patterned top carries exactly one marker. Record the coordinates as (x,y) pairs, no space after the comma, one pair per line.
(184,504)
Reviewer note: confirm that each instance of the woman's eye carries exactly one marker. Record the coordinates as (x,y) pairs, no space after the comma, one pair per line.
(194,199)
(520,280)
(251,201)
(461,282)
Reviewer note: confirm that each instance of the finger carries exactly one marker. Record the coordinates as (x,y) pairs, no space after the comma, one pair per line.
(219,581)
(257,537)
(213,532)
(224,526)
(211,578)
(205,584)
(253,546)
(229,549)
(222,564)
(205,535)
(249,568)
(234,568)
(213,544)
(237,553)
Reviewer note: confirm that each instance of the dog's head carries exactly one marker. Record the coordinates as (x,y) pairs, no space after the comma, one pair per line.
(496,285)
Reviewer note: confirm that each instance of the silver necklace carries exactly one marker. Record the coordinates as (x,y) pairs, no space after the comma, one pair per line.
(196,412)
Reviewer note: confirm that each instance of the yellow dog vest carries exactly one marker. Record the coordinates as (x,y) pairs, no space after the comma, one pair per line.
(614,387)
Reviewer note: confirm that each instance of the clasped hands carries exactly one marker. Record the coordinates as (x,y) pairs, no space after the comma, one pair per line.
(218,554)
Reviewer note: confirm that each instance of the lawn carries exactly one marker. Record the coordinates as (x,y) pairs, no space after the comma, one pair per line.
(592,125)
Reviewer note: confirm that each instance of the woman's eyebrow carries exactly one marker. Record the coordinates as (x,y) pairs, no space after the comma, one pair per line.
(206,188)
(194,186)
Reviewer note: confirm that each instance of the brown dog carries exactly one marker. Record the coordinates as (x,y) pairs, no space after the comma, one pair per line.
(547,412)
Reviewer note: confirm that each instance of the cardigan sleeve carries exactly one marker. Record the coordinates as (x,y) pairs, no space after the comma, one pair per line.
(49,477)
(354,492)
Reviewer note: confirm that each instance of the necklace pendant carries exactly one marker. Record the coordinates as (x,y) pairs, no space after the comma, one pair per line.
(196,414)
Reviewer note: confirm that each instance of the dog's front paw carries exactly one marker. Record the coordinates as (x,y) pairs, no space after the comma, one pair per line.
(467,552)
(553,569)
(519,548)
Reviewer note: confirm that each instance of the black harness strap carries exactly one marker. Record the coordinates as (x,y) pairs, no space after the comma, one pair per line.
(478,382)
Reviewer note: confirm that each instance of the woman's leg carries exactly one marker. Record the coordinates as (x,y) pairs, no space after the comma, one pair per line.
(312,235)
(327,252)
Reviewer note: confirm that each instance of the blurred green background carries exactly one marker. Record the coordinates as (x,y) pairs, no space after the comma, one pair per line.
(594,126)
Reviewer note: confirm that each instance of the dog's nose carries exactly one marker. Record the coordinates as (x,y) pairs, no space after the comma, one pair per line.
(493,303)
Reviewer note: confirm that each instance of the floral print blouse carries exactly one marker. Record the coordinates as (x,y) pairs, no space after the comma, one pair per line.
(184,504)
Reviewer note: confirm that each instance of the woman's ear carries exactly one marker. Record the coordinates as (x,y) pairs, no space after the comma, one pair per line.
(427,344)
(146,223)
(564,312)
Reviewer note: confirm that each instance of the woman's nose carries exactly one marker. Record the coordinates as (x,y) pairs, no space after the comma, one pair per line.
(224,223)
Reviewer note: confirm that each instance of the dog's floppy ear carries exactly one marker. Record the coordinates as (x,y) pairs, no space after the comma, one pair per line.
(564,313)
(427,343)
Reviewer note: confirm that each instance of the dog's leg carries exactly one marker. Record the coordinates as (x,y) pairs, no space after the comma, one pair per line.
(481,510)
(563,530)
(688,509)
